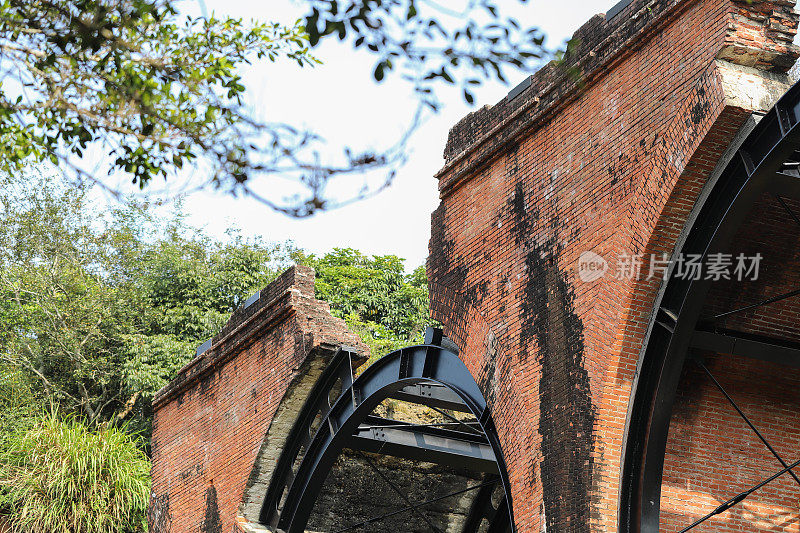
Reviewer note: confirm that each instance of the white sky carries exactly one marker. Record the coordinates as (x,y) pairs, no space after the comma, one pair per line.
(340,100)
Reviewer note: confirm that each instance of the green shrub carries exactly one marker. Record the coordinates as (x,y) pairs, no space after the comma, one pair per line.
(59,477)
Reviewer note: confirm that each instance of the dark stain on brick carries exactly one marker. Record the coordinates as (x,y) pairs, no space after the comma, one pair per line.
(211,522)
(449,268)
(206,382)
(612,171)
(520,221)
(566,409)
(441,261)
(191,472)
(699,110)
(477,292)
(488,373)
(159,516)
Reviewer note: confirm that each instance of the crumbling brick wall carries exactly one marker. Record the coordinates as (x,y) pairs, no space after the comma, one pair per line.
(611,161)
(211,421)
(606,152)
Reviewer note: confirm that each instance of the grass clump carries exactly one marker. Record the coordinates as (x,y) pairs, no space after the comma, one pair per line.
(58,476)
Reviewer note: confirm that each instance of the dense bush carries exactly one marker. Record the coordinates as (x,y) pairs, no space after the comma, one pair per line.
(59,477)
(99,310)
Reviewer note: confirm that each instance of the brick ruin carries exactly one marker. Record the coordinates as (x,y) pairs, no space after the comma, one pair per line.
(211,421)
(221,424)
(614,152)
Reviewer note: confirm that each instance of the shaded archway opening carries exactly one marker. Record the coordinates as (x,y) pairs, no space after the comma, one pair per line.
(343,432)
(685,464)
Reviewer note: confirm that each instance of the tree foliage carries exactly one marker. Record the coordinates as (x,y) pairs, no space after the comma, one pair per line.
(385,306)
(149,91)
(99,312)
(59,477)
(464,42)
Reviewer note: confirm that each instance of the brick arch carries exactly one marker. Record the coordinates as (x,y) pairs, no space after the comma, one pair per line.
(656,218)
(613,166)
(275,439)
(732,201)
(485,353)
(211,421)
(465,326)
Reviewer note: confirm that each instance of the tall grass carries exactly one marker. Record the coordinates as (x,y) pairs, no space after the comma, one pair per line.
(60,477)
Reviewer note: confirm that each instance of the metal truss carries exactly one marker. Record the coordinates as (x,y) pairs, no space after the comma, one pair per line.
(739,498)
(747,345)
(420,505)
(337,415)
(432,444)
(483,508)
(768,161)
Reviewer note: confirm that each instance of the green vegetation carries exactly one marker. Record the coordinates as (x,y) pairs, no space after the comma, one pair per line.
(385,306)
(97,313)
(153,91)
(57,476)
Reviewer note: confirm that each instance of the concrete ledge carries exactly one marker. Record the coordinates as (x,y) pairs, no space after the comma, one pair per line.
(750,88)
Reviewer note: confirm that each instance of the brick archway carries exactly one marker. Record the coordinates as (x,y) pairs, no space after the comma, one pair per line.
(762,167)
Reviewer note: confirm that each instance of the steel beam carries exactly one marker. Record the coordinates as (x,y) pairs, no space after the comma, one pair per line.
(752,346)
(457,449)
(432,394)
(293,491)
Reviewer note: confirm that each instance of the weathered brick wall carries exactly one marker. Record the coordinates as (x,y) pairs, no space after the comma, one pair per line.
(612,162)
(712,454)
(211,421)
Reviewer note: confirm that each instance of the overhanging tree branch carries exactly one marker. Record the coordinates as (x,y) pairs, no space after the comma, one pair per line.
(158,92)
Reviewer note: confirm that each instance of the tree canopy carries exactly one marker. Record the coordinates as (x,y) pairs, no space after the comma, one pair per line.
(100,312)
(97,313)
(149,91)
(385,306)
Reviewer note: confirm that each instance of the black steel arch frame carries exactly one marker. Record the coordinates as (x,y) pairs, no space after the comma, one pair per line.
(766,161)
(325,425)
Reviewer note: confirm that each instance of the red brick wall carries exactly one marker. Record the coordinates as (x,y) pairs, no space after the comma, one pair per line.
(611,165)
(210,421)
(712,455)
